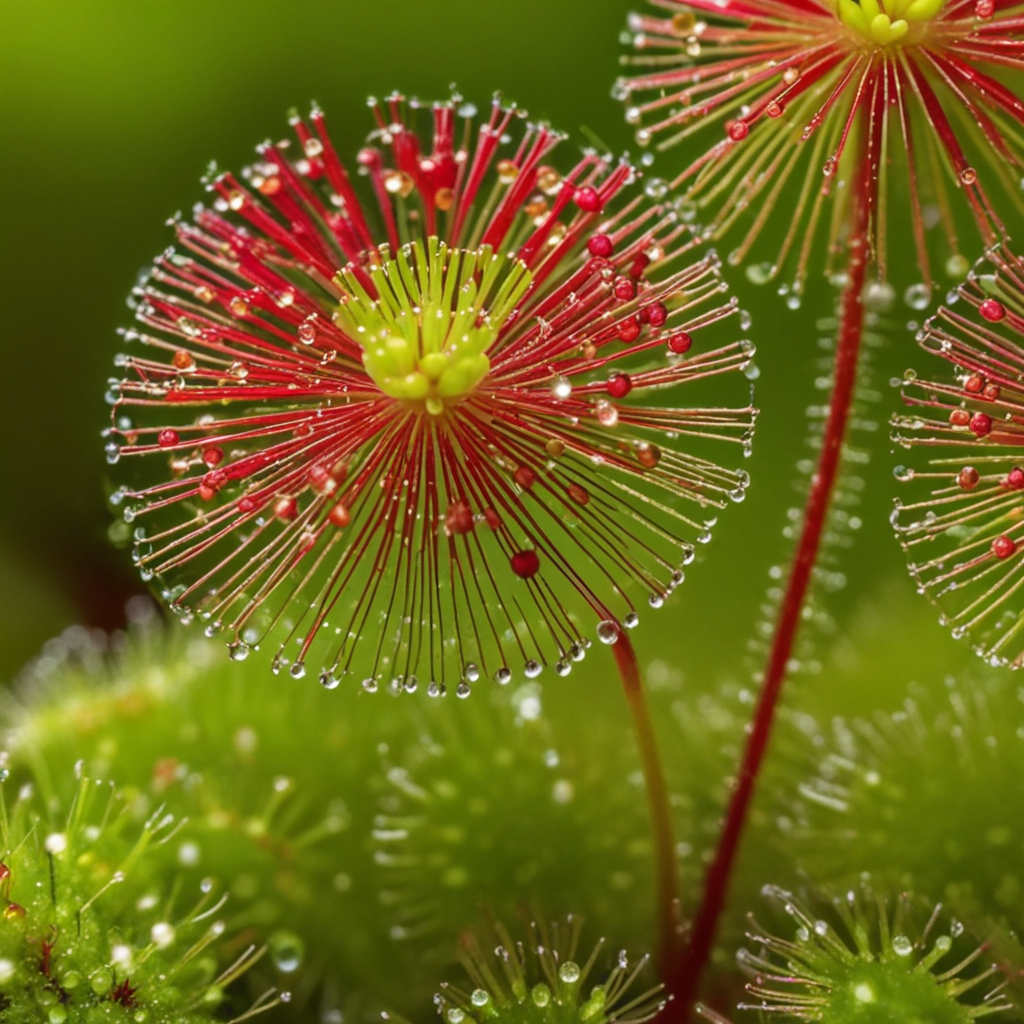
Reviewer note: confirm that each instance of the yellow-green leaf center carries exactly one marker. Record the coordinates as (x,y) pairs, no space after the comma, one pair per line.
(427,334)
(886,22)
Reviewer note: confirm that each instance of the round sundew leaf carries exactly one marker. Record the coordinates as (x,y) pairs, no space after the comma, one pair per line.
(779,108)
(382,424)
(960,510)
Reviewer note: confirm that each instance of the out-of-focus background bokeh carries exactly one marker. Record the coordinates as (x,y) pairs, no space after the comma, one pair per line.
(110,111)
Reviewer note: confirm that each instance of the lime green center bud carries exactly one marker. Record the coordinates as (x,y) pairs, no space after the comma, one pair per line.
(427,334)
(885,22)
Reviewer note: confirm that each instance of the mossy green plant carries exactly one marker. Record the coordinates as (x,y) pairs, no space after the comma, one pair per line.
(402,814)
(489,805)
(97,927)
(277,816)
(930,798)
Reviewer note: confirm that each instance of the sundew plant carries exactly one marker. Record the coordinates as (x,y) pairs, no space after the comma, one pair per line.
(411,653)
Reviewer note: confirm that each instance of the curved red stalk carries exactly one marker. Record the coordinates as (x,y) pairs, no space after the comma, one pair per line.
(669,941)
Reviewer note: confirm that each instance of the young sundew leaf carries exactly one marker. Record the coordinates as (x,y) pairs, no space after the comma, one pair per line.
(859,959)
(547,977)
(98,925)
(929,798)
(310,806)
(845,516)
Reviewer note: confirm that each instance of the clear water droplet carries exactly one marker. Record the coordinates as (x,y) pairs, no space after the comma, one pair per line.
(569,972)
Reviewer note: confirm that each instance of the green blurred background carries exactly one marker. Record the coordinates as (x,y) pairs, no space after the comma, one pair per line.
(110,111)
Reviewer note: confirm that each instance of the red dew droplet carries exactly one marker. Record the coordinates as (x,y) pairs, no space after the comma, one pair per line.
(680,343)
(286,509)
(648,455)
(629,330)
(211,484)
(306,541)
(990,392)
(981,424)
(320,479)
(619,385)
(13,910)
(588,200)
(213,456)
(492,519)
(1003,547)
(600,245)
(339,515)
(1015,479)
(959,417)
(339,471)
(5,872)
(974,383)
(578,494)
(992,310)
(247,505)
(183,360)
(525,477)
(624,289)
(657,314)
(737,130)
(968,478)
(774,109)
(167,438)
(985,8)
(525,563)
(458,519)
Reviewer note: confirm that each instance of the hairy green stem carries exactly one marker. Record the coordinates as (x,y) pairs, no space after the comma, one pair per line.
(685,979)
